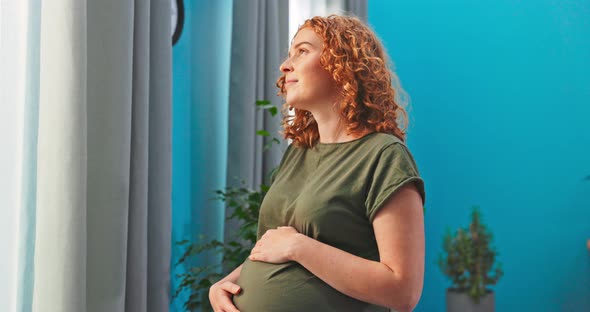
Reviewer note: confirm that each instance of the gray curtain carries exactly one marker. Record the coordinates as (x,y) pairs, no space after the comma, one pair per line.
(357,7)
(104,157)
(259,45)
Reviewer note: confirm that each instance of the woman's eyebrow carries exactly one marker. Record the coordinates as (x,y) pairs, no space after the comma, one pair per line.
(300,43)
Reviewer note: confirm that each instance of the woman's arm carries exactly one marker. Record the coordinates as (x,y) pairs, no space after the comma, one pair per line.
(395,282)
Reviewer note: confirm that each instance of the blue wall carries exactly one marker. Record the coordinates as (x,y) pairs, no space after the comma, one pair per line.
(201,61)
(501,108)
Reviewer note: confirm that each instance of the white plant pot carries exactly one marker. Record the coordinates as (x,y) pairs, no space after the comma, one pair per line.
(461,302)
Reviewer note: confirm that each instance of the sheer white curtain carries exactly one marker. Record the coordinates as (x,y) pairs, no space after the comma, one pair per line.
(300,10)
(16,88)
(85,138)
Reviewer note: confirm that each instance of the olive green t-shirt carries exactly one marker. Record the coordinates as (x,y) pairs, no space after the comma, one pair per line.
(331,193)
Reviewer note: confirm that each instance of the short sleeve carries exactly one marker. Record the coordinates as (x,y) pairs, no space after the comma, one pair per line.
(395,168)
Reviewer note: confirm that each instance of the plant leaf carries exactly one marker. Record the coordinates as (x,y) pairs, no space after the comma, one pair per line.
(262,102)
(263,133)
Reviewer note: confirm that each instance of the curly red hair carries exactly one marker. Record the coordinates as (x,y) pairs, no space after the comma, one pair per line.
(357,61)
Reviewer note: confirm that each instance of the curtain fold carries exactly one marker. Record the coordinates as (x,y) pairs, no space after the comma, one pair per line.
(110,89)
(28,217)
(14,92)
(160,158)
(60,242)
(137,255)
(92,121)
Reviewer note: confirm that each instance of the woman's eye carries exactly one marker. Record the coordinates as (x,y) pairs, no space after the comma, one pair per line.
(301,51)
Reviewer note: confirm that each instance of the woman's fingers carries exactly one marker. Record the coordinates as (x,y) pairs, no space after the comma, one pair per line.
(227,305)
(231,309)
(231,288)
(220,296)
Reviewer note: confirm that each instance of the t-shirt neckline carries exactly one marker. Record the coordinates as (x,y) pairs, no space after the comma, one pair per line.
(347,142)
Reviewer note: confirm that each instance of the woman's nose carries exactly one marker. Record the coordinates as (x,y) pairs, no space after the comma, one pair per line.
(286,66)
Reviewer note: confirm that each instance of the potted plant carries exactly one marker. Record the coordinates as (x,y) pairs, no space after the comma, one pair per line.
(469,261)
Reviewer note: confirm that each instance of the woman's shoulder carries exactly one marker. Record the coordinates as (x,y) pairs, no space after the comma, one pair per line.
(381,140)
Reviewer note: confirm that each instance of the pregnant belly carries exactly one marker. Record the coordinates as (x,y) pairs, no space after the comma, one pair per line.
(289,287)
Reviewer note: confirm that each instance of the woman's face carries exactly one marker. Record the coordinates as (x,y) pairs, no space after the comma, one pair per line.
(308,85)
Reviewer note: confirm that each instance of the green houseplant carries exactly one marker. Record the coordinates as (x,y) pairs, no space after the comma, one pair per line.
(469,261)
(244,204)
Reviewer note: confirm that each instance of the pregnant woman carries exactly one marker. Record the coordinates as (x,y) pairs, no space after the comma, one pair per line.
(342,226)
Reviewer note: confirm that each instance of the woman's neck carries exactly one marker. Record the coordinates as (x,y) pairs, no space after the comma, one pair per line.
(332,129)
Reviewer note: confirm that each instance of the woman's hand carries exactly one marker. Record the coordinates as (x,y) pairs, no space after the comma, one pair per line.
(275,246)
(220,296)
